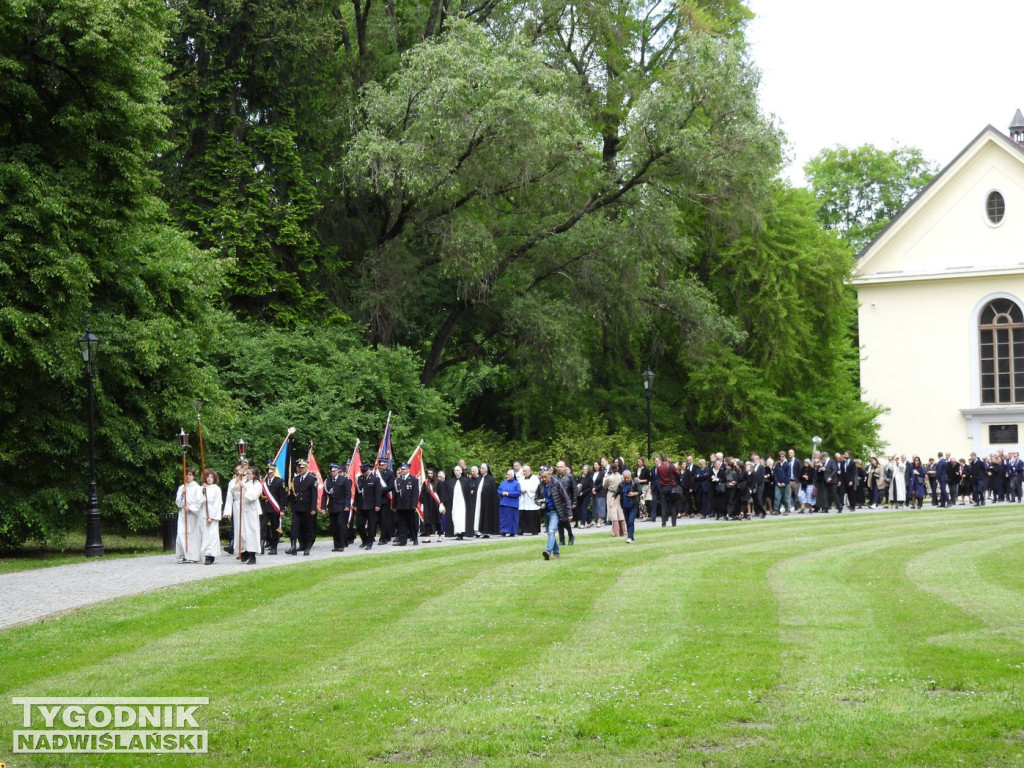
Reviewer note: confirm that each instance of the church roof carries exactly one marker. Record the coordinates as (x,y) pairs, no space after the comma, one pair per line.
(988,133)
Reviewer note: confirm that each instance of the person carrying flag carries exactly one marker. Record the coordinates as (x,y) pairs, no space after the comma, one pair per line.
(386,516)
(303,509)
(272,504)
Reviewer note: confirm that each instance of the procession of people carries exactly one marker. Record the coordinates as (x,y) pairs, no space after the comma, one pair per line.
(381,507)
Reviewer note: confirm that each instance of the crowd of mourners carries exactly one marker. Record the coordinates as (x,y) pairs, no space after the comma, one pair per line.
(381,506)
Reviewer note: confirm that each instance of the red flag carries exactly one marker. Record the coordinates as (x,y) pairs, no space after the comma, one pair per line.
(354,470)
(319,478)
(416,470)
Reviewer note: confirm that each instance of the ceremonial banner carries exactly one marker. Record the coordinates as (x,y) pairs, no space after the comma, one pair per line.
(354,470)
(315,469)
(281,465)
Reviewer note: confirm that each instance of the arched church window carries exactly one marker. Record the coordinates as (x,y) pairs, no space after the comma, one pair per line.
(1001,327)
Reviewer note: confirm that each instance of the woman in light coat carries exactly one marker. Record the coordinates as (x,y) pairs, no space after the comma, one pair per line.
(612,481)
(895,473)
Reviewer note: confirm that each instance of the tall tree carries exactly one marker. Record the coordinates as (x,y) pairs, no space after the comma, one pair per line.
(478,164)
(86,242)
(255,98)
(860,190)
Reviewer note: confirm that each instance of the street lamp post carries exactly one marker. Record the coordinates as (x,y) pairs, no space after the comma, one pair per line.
(648,384)
(89,344)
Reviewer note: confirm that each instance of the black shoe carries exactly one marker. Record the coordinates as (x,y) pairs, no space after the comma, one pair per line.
(272,551)
(399,543)
(291,551)
(547,555)
(229,550)
(305,552)
(338,549)
(362,546)
(209,560)
(251,560)
(572,541)
(561,542)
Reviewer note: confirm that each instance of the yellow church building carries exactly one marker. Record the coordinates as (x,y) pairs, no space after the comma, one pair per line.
(941,307)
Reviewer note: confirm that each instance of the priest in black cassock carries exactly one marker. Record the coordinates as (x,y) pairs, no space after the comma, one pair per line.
(456,500)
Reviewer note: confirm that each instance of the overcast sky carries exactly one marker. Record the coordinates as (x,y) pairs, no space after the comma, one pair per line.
(887,72)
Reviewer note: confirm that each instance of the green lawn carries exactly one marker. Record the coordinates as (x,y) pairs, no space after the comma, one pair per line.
(861,640)
(114,545)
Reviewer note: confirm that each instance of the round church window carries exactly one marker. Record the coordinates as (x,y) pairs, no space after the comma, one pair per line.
(995,207)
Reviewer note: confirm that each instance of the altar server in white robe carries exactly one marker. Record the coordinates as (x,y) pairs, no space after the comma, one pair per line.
(249,524)
(190,536)
(210,514)
(233,506)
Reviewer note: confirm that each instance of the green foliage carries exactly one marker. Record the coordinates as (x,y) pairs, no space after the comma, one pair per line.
(85,242)
(333,389)
(860,190)
(794,373)
(253,97)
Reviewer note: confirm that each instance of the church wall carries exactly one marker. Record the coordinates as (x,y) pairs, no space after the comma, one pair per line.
(918,347)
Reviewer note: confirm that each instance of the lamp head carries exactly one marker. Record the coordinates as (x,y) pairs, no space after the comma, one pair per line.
(89,344)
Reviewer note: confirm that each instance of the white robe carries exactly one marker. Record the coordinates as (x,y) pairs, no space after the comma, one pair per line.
(250,522)
(898,485)
(209,518)
(528,486)
(458,509)
(188,522)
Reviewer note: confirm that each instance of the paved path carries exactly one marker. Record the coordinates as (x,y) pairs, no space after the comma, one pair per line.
(34,594)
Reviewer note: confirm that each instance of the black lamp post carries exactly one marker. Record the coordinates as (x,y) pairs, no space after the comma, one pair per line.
(648,384)
(89,344)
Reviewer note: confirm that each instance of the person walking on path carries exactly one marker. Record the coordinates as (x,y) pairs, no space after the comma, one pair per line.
(555,499)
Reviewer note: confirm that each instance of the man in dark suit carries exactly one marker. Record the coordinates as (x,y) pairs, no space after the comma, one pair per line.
(940,479)
(386,516)
(303,508)
(833,480)
(848,470)
(369,498)
(979,475)
(338,502)
(756,484)
(406,491)
(270,513)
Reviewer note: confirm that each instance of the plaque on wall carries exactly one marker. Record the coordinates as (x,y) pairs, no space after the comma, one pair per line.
(1002,434)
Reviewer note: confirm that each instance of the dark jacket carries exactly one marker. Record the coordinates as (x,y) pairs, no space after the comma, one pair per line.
(554,496)
(305,493)
(406,492)
(369,494)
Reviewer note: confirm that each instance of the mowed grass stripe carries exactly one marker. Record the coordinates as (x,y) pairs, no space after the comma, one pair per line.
(858,628)
(676,650)
(957,574)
